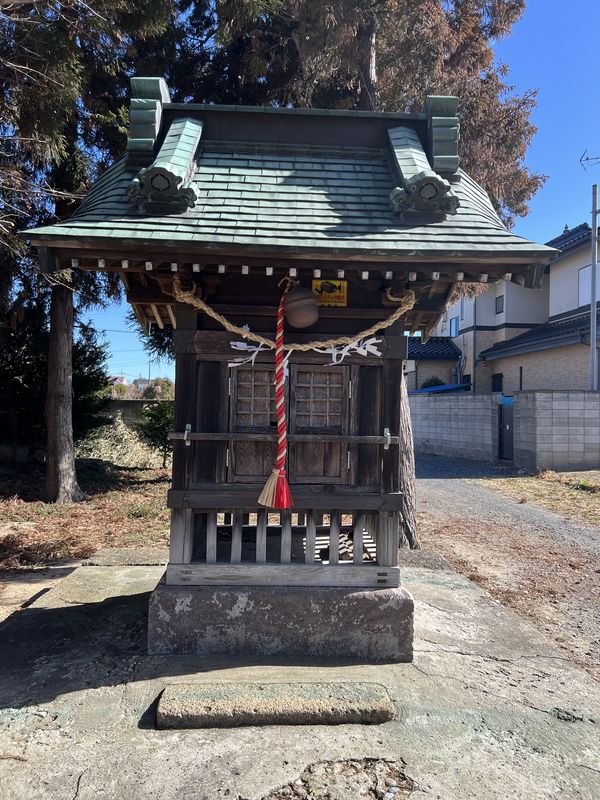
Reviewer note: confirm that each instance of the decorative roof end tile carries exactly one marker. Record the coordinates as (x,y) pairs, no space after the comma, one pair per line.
(165,187)
(422,191)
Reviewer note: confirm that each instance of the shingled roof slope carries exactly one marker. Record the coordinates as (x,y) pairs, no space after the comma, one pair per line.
(543,337)
(293,194)
(306,200)
(436,348)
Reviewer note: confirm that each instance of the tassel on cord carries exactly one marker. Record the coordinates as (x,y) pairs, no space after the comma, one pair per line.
(276,492)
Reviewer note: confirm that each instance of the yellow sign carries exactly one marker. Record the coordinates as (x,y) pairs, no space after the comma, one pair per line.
(331,293)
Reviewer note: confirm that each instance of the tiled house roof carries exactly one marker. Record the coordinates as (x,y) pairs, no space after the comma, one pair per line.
(543,337)
(571,238)
(436,348)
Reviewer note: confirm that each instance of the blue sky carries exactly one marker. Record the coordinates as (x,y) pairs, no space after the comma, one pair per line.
(553,49)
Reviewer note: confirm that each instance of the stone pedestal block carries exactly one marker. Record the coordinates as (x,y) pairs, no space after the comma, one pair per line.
(373,625)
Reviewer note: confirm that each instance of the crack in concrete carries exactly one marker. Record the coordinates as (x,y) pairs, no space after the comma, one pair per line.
(486,657)
(483,691)
(585,766)
(81,774)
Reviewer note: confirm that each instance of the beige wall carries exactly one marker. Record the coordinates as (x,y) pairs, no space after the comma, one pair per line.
(562,368)
(526,306)
(564,282)
(417,372)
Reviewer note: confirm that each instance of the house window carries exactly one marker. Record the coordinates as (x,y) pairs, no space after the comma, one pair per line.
(466,378)
(454,327)
(462,308)
(444,321)
(497,381)
(500,304)
(585,286)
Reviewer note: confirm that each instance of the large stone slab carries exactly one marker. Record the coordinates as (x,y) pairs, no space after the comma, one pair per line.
(232,705)
(336,623)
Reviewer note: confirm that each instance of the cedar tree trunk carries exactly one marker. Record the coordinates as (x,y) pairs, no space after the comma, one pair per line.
(61,481)
(407,472)
(367,65)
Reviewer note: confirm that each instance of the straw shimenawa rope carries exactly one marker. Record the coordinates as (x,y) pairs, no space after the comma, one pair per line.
(406,302)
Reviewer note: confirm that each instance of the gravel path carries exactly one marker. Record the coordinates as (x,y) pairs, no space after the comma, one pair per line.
(539,563)
(443,487)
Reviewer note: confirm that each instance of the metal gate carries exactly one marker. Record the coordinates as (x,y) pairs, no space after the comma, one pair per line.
(505,438)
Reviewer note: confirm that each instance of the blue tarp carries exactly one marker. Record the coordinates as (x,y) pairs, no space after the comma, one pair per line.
(451,387)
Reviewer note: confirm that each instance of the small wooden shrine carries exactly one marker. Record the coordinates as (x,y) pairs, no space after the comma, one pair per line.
(359,228)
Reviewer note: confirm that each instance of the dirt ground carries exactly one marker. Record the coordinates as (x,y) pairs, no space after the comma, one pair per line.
(498,532)
(574,495)
(126,508)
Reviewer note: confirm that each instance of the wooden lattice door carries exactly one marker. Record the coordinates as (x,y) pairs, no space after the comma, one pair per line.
(319,405)
(251,410)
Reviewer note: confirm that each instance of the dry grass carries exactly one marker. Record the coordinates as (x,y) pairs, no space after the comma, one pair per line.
(575,495)
(126,508)
(551,582)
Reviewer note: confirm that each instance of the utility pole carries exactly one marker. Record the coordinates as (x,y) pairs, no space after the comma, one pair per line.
(594,294)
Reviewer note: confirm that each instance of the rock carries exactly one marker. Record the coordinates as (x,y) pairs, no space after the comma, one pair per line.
(230,705)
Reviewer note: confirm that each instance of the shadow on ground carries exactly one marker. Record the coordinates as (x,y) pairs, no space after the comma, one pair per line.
(95,476)
(432,467)
(49,651)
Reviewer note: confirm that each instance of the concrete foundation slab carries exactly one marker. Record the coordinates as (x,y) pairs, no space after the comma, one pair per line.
(332,622)
(233,705)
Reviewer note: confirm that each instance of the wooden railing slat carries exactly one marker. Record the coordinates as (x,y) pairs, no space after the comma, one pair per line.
(211,537)
(311,535)
(334,537)
(357,537)
(261,537)
(236,538)
(286,537)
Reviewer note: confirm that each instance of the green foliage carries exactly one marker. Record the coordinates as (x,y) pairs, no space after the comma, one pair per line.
(159,389)
(156,422)
(431,382)
(157,342)
(23,376)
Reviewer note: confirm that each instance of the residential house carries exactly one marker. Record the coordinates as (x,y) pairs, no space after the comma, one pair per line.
(437,357)
(529,339)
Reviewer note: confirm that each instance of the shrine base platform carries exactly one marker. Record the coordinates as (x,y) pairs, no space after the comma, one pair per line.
(373,625)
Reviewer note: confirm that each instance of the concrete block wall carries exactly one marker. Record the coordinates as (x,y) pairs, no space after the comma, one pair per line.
(130,409)
(551,430)
(566,429)
(456,425)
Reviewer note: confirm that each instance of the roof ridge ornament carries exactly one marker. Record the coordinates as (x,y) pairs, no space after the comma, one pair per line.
(148,95)
(423,191)
(443,132)
(166,186)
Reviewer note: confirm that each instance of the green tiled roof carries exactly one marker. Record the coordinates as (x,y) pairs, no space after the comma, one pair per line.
(292,198)
(293,202)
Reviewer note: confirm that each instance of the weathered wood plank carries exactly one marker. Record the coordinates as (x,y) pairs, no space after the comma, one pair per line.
(211,537)
(311,535)
(334,537)
(210,436)
(236,538)
(261,536)
(286,537)
(357,537)
(244,496)
(181,539)
(388,540)
(366,575)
